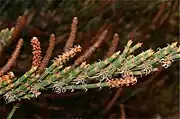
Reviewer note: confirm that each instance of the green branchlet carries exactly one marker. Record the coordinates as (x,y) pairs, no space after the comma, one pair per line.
(86,76)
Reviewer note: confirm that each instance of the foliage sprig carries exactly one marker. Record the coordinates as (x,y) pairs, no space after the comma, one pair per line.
(119,70)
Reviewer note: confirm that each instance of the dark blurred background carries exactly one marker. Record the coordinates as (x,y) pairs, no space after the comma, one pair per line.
(153,22)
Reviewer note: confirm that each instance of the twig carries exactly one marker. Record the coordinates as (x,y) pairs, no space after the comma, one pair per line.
(113,46)
(20,24)
(158,15)
(87,43)
(165,17)
(60,39)
(12,111)
(12,60)
(123,114)
(113,100)
(32,31)
(92,49)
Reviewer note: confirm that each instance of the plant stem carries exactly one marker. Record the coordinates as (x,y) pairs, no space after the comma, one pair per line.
(12,112)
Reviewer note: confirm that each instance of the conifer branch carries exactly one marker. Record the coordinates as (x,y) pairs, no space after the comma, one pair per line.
(12,59)
(103,72)
(118,70)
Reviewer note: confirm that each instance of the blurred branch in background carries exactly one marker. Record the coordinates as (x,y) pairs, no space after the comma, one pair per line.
(155,23)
